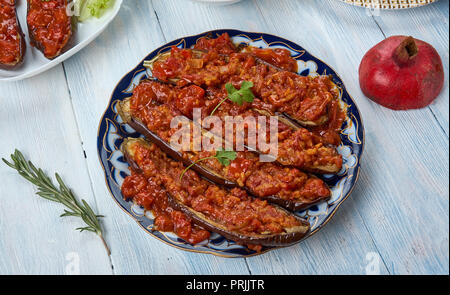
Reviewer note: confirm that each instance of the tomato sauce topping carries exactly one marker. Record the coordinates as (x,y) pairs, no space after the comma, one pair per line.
(10,34)
(331,130)
(155,105)
(49,25)
(306,99)
(221,44)
(150,195)
(235,210)
(278,57)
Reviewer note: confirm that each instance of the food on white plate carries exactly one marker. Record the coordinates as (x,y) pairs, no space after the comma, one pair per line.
(49,26)
(12,42)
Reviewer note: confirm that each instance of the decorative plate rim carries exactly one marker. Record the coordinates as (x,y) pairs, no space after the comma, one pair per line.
(232,32)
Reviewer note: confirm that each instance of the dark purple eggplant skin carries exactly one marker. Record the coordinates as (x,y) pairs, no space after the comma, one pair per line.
(140,127)
(283,239)
(292,122)
(277,240)
(22,50)
(293,205)
(39,45)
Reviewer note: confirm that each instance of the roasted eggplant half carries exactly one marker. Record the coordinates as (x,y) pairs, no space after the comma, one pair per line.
(12,41)
(298,98)
(231,213)
(286,186)
(135,123)
(49,26)
(297,146)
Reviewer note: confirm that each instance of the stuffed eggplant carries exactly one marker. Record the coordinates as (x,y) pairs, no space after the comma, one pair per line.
(180,203)
(12,41)
(49,26)
(303,99)
(286,186)
(295,147)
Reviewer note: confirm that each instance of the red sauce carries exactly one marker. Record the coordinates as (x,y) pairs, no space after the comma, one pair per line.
(235,210)
(10,34)
(188,98)
(306,99)
(221,44)
(330,131)
(150,195)
(49,25)
(173,64)
(154,104)
(279,57)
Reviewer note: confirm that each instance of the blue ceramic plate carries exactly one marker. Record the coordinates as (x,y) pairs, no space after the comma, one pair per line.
(112,131)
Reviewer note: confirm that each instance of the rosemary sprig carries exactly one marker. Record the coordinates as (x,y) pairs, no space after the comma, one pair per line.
(61,194)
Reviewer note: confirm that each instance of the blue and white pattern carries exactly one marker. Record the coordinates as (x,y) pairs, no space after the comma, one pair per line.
(112,131)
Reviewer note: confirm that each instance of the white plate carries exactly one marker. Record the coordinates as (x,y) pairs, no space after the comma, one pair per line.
(35,62)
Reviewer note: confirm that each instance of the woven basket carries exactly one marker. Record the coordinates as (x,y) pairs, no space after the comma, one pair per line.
(389,4)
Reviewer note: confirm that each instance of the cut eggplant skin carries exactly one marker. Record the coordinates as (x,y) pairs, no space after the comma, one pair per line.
(213,177)
(290,204)
(125,113)
(49,37)
(298,147)
(12,41)
(165,147)
(289,236)
(284,117)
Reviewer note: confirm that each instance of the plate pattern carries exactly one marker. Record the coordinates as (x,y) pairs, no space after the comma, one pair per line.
(389,4)
(112,131)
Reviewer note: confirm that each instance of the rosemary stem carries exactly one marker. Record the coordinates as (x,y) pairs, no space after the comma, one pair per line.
(108,251)
(62,194)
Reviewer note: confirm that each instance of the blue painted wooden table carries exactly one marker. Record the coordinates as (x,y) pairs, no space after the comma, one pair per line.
(395,222)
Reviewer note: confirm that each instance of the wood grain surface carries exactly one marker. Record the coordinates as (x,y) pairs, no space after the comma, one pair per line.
(398,215)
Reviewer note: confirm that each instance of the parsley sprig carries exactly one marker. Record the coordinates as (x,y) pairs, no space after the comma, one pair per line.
(244,94)
(61,194)
(224,157)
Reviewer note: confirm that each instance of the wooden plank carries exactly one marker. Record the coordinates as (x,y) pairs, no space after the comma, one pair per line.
(430,24)
(92,76)
(343,246)
(37,118)
(399,208)
(402,195)
(329,251)
(174,15)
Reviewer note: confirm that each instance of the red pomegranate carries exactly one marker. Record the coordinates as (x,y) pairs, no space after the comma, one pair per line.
(401,73)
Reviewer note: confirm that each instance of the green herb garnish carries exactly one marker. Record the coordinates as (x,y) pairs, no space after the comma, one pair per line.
(224,157)
(244,94)
(61,194)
